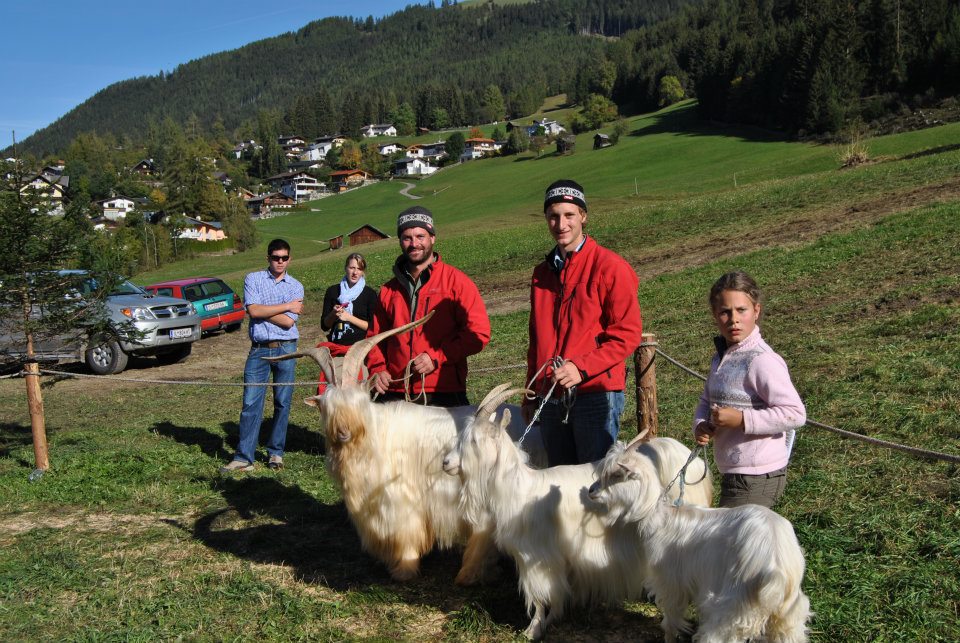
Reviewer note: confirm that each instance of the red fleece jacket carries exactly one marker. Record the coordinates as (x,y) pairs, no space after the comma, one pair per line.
(459,328)
(587,314)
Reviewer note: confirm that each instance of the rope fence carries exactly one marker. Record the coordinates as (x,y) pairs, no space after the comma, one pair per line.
(923,453)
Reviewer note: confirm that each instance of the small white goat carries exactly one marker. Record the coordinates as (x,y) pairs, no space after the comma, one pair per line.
(544,520)
(387,461)
(740,567)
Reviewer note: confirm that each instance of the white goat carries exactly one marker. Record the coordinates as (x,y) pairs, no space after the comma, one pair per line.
(543,519)
(740,567)
(387,461)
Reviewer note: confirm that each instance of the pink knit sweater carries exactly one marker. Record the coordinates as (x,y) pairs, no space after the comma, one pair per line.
(751,377)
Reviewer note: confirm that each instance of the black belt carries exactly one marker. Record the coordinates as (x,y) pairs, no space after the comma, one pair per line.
(276,344)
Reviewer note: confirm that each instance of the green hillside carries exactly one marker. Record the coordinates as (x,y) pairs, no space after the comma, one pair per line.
(132,534)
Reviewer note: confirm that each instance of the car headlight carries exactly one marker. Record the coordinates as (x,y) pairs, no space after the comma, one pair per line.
(138,314)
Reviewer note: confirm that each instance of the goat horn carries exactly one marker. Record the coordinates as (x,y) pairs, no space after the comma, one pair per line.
(496,397)
(641,437)
(320,355)
(353,360)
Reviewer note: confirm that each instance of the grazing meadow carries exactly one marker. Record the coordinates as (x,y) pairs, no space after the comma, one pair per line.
(133,534)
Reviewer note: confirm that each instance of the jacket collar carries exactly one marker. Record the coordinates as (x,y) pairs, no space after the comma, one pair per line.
(403,276)
(556,261)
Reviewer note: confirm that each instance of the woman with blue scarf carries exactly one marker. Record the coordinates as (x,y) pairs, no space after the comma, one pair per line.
(348,306)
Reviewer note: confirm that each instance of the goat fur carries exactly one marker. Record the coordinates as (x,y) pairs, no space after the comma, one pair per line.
(387,461)
(741,567)
(543,519)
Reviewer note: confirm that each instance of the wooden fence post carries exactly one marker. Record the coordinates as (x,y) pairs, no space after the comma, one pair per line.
(37,423)
(646,392)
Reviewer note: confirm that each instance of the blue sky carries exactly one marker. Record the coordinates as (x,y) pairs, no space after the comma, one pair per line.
(59,53)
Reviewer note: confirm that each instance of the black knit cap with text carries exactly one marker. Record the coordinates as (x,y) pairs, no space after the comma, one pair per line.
(565,191)
(415,217)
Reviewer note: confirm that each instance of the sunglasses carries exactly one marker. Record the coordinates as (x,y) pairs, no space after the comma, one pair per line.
(279,258)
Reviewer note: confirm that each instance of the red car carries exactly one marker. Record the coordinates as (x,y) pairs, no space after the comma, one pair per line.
(215,302)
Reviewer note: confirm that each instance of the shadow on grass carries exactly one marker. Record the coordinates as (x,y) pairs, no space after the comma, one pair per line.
(931,151)
(222,447)
(684,121)
(272,523)
(14,436)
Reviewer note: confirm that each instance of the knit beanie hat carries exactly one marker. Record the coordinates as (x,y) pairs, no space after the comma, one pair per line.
(415,217)
(565,191)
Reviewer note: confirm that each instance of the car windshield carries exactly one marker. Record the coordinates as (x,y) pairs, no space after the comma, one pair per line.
(127,288)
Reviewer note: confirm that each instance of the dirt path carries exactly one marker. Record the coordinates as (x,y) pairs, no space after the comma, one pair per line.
(512,294)
(406,191)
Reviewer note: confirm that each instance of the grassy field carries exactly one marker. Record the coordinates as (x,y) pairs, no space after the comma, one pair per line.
(133,535)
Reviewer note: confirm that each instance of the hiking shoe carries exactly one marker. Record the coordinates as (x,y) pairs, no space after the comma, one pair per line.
(237,465)
(276,462)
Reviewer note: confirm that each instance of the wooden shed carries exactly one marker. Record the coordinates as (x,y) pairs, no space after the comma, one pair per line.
(365,234)
(336,242)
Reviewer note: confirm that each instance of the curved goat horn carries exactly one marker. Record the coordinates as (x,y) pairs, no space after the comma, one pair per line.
(321,355)
(641,437)
(496,397)
(353,360)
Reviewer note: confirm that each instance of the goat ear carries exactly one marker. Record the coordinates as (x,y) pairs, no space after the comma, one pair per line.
(626,467)
(312,401)
(505,420)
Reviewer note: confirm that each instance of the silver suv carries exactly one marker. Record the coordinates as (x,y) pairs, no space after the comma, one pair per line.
(165,327)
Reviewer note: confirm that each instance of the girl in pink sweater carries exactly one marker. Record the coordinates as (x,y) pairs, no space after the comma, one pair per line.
(749,406)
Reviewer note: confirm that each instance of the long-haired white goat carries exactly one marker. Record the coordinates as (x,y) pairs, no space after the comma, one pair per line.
(387,461)
(740,567)
(543,519)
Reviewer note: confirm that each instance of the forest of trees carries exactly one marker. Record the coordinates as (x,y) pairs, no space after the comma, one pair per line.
(801,66)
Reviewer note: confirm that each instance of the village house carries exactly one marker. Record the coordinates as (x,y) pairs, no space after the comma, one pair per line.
(413,167)
(119,207)
(476,148)
(49,188)
(601,141)
(297,185)
(383,129)
(202,230)
(145,168)
(386,149)
(428,151)
(320,147)
(345,179)
(550,128)
(365,234)
(263,206)
(245,149)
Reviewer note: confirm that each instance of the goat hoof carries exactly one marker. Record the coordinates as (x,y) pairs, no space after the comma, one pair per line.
(534,632)
(466,579)
(404,573)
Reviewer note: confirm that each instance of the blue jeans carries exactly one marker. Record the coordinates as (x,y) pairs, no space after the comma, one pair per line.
(257,371)
(589,432)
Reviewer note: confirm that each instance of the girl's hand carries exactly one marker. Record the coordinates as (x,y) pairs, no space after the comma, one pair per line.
(703,433)
(724,417)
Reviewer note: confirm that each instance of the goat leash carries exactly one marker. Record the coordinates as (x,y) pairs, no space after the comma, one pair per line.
(682,474)
(555,362)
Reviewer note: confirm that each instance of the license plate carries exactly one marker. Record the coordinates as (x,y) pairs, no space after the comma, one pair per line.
(215,305)
(177,333)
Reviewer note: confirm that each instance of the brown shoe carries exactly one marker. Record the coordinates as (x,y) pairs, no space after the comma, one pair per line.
(276,462)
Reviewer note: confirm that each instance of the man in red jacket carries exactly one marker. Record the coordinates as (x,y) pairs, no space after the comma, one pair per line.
(584,323)
(436,352)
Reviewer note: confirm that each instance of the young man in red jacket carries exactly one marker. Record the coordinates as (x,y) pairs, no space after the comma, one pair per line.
(437,351)
(584,323)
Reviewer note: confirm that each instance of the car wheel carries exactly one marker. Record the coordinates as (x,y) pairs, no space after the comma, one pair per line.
(232,328)
(175,356)
(106,358)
